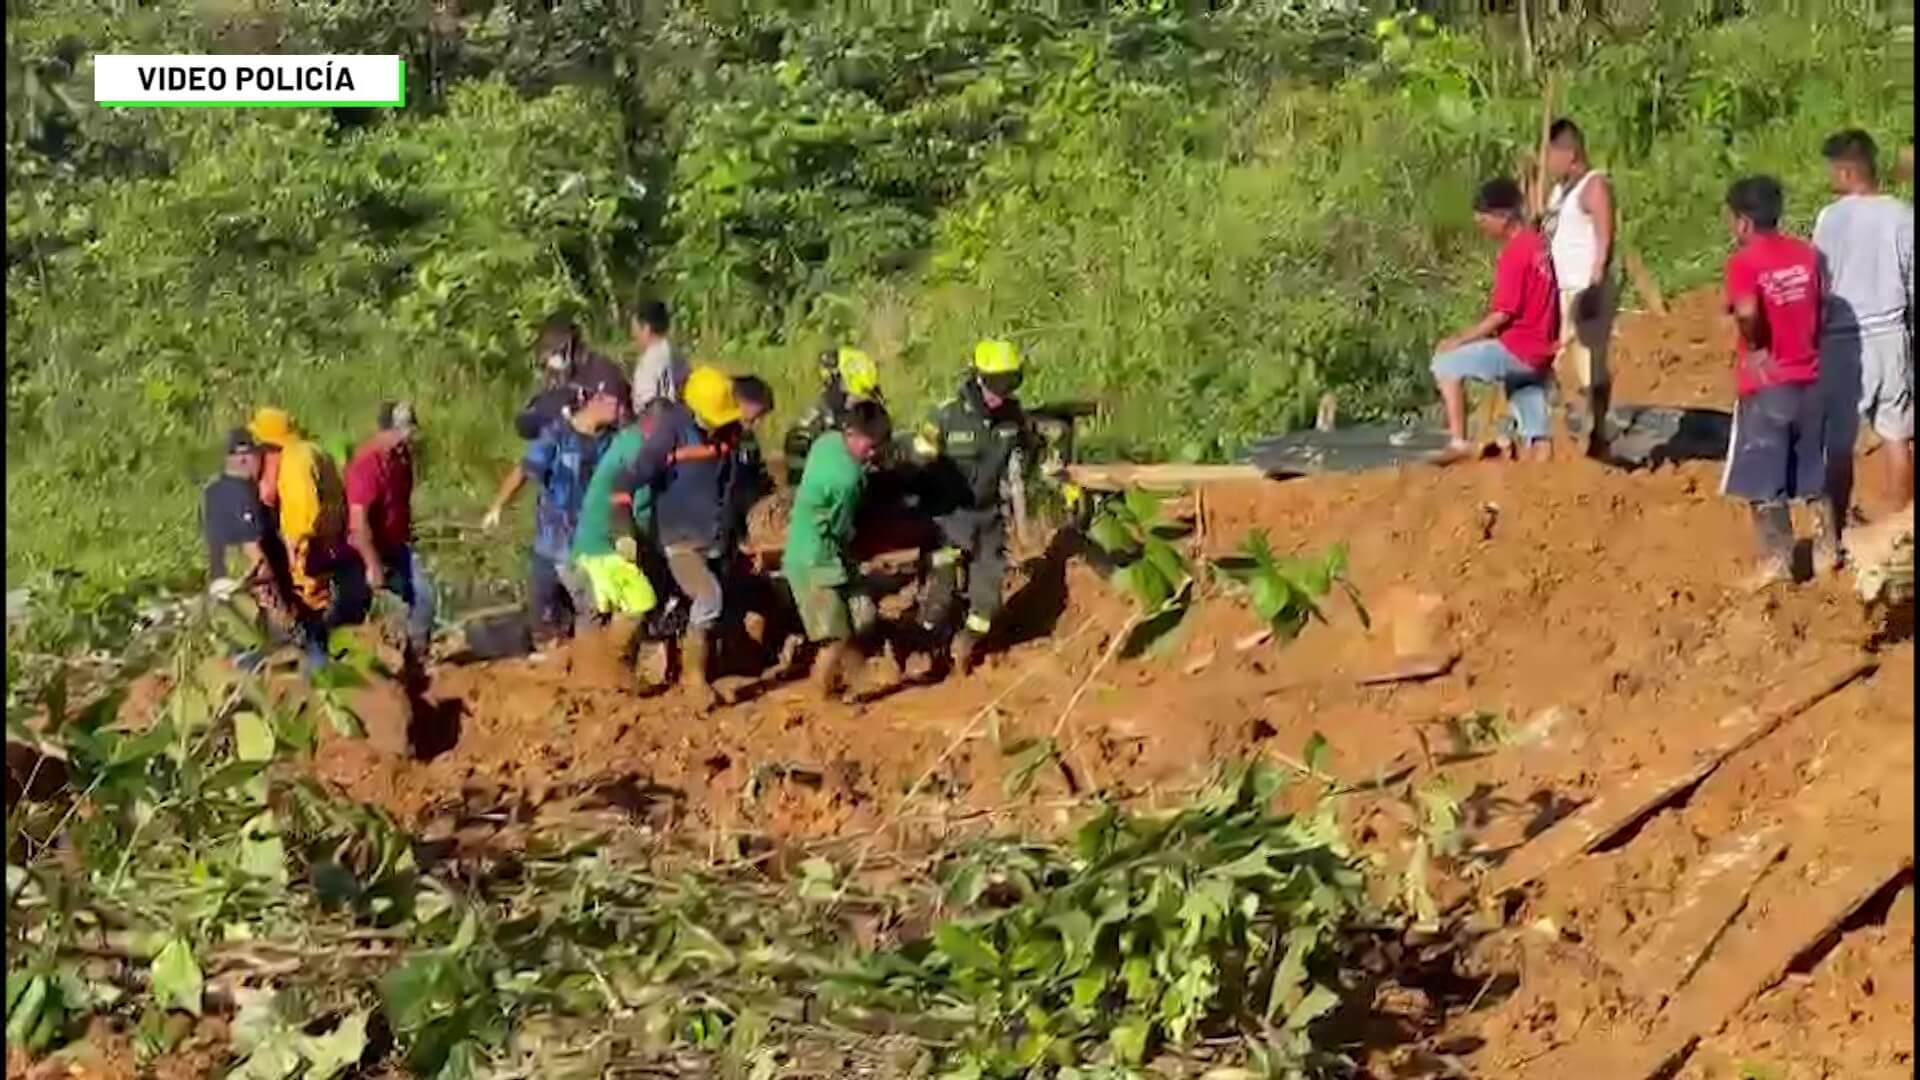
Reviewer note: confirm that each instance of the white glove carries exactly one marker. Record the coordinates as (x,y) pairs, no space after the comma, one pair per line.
(628,548)
(222,589)
(492,519)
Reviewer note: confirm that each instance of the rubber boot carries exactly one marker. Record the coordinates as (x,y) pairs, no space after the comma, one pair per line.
(696,668)
(1773,528)
(1599,439)
(1828,555)
(966,648)
(933,640)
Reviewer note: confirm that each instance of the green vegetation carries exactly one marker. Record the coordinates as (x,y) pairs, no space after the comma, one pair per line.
(1201,218)
(188,866)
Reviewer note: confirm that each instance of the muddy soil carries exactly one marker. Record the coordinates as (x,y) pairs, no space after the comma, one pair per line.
(1599,626)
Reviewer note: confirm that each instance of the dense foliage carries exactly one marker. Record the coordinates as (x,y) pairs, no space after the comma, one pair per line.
(1201,215)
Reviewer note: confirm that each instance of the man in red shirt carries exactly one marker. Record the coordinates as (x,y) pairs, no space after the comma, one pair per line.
(1775,455)
(1516,342)
(379,484)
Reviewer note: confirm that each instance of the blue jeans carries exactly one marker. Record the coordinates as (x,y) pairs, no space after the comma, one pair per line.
(406,579)
(1487,360)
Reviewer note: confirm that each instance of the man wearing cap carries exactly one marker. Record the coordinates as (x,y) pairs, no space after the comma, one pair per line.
(969,450)
(561,460)
(690,461)
(568,369)
(231,517)
(380,520)
(302,488)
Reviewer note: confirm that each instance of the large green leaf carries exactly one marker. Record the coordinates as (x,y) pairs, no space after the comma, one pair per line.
(177,982)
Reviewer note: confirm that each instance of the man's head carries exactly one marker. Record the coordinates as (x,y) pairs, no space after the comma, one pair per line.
(998,370)
(243,454)
(397,421)
(272,427)
(598,407)
(1850,162)
(554,348)
(709,397)
(648,323)
(867,429)
(755,398)
(1498,206)
(1566,148)
(1754,204)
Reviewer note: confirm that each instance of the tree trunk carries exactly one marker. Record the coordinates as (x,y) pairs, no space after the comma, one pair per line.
(1526,40)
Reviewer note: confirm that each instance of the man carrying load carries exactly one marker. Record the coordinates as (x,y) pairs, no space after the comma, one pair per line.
(847,376)
(302,487)
(817,561)
(970,449)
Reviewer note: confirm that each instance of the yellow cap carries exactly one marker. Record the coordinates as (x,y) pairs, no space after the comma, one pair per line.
(859,376)
(272,426)
(995,357)
(709,395)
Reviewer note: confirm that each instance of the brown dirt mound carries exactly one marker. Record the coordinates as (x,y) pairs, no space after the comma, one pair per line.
(1595,612)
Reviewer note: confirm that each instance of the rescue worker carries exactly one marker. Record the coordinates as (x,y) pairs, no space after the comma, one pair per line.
(969,450)
(232,517)
(301,486)
(690,460)
(562,461)
(847,376)
(817,563)
(568,369)
(613,537)
(379,492)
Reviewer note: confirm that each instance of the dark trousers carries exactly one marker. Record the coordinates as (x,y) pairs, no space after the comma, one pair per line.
(976,543)
(550,595)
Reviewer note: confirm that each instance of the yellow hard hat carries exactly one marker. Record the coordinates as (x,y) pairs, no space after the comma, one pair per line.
(271,426)
(859,376)
(996,357)
(709,395)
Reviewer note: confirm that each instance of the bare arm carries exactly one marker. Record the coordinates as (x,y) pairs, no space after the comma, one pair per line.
(360,536)
(1746,320)
(509,487)
(1596,198)
(1487,327)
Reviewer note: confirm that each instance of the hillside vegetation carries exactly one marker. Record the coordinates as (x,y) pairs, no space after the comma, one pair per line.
(1201,218)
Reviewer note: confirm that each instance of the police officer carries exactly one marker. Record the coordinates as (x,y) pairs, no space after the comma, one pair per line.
(971,448)
(846,376)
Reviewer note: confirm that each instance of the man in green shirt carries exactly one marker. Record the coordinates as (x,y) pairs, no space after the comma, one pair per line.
(816,562)
(614,518)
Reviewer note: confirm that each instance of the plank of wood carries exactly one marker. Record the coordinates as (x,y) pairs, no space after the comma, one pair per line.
(1710,897)
(1646,790)
(1735,977)
(1115,477)
(1644,284)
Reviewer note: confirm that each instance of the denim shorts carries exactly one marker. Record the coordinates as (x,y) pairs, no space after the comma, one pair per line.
(1487,360)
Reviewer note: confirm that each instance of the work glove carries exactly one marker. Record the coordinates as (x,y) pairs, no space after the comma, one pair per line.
(628,547)
(492,519)
(223,589)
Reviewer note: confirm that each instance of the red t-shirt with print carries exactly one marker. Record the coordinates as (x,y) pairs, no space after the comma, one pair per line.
(1524,290)
(1783,273)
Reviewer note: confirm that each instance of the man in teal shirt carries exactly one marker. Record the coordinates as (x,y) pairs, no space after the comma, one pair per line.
(819,533)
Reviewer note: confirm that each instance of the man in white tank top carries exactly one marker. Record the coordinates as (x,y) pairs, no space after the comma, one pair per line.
(1579,224)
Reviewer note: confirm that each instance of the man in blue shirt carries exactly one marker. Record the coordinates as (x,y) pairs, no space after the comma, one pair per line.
(561,460)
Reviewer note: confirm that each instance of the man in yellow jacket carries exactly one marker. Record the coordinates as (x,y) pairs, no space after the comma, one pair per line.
(301,486)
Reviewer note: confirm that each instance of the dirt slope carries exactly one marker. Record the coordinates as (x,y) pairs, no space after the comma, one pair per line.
(1594,610)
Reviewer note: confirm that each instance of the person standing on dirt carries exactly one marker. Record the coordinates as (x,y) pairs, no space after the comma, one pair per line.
(302,488)
(1580,221)
(1865,240)
(817,561)
(660,372)
(847,376)
(1776,453)
(561,460)
(969,450)
(1516,342)
(232,517)
(614,535)
(690,460)
(568,369)
(380,522)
